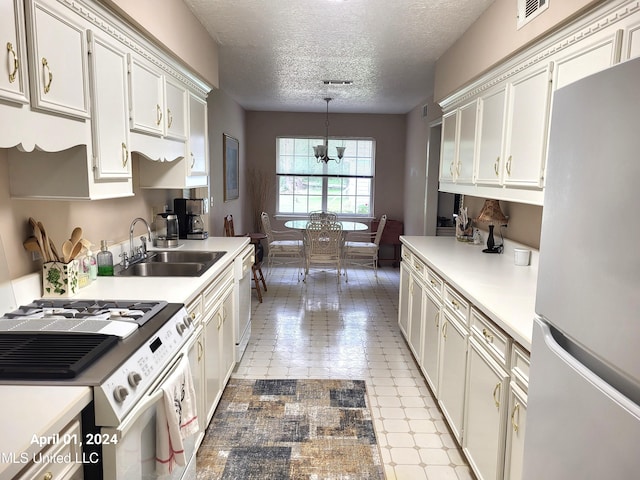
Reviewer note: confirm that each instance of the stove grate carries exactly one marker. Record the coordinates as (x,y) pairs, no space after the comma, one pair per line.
(50,355)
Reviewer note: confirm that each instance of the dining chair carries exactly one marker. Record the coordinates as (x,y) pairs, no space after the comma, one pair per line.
(323,245)
(320,216)
(361,248)
(282,244)
(256,268)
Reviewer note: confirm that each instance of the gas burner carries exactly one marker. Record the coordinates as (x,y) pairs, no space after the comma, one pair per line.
(138,312)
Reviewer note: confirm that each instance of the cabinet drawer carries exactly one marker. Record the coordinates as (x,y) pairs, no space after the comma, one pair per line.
(434,282)
(194,309)
(212,292)
(456,304)
(491,337)
(520,366)
(61,449)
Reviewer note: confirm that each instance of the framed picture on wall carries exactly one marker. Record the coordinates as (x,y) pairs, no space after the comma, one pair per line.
(231,168)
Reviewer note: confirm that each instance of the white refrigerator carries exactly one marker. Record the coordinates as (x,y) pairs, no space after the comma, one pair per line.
(583,411)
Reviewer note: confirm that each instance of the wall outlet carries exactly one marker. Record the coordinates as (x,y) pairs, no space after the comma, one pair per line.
(36,256)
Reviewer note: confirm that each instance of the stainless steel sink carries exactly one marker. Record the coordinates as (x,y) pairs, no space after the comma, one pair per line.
(172,264)
(172,256)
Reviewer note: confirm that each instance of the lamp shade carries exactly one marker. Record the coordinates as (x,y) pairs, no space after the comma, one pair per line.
(491,213)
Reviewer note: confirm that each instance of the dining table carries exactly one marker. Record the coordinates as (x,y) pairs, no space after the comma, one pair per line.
(347,225)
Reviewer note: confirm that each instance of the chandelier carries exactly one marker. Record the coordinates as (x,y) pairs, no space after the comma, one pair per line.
(321,152)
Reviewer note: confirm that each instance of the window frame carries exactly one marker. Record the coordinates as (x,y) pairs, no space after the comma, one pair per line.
(325,175)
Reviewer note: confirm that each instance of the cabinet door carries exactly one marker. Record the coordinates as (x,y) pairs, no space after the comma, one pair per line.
(227,343)
(491,137)
(110,119)
(416,294)
(14,85)
(467,142)
(147,105)
(527,129)
(198,158)
(176,110)
(212,368)
(516,427)
(631,41)
(403,307)
(58,64)
(196,362)
(453,366)
(484,434)
(430,341)
(448,147)
(583,60)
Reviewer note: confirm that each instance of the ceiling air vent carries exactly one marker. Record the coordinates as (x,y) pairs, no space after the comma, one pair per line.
(425,109)
(530,9)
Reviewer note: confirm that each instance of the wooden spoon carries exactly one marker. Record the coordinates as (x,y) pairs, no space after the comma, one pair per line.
(76,235)
(54,251)
(38,234)
(31,245)
(67,248)
(45,241)
(75,251)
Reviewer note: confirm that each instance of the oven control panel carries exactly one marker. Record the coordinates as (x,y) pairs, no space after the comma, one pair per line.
(138,376)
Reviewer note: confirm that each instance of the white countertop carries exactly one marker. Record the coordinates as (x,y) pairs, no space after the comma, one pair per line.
(503,291)
(44,410)
(29,411)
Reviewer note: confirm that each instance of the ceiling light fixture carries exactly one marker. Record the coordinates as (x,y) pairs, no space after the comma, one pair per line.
(321,151)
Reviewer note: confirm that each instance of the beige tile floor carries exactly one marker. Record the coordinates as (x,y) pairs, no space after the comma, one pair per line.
(326,329)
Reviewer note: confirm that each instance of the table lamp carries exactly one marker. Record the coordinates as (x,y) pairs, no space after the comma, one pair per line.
(492,214)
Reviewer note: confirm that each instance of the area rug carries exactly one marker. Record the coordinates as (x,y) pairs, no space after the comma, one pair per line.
(291,430)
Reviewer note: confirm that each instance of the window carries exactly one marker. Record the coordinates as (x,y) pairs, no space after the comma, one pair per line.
(304,185)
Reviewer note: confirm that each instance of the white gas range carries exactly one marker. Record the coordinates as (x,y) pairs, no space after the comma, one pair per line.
(123,350)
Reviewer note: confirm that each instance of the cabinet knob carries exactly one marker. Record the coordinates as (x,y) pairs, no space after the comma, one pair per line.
(508,166)
(496,394)
(158,114)
(496,167)
(514,421)
(47,476)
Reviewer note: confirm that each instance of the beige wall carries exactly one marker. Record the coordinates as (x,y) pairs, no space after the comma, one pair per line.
(389,131)
(494,37)
(173,25)
(226,116)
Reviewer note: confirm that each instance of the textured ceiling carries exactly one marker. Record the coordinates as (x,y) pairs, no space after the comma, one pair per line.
(275,54)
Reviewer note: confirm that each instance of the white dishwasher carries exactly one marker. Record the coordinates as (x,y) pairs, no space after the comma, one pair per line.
(242,326)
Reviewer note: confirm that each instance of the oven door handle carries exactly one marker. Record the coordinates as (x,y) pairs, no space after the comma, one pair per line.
(148,401)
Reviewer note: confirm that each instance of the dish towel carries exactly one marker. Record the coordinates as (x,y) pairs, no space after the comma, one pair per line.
(176,418)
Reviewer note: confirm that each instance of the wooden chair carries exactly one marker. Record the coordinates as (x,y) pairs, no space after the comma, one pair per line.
(256,268)
(361,248)
(323,245)
(283,244)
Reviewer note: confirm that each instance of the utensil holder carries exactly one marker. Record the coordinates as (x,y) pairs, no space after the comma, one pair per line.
(60,279)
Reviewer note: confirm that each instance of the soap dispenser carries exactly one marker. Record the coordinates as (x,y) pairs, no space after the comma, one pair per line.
(105,260)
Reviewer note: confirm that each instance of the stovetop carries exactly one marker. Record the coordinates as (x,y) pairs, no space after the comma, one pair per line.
(134,311)
(61,340)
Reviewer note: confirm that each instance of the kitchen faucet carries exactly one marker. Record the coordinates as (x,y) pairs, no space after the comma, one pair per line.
(141,253)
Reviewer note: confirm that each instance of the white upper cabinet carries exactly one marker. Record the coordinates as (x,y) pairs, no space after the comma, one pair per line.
(527,125)
(198,145)
(175,110)
(147,98)
(110,119)
(14,85)
(491,137)
(588,57)
(449,147)
(57,60)
(508,141)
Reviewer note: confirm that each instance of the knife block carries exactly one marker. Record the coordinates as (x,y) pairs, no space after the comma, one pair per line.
(60,279)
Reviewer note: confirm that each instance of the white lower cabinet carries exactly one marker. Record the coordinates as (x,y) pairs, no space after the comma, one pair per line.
(431,340)
(515,433)
(484,425)
(452,372)
(477,373)
(403,306)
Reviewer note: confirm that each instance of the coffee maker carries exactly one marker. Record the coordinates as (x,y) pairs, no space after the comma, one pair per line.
(190,221)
